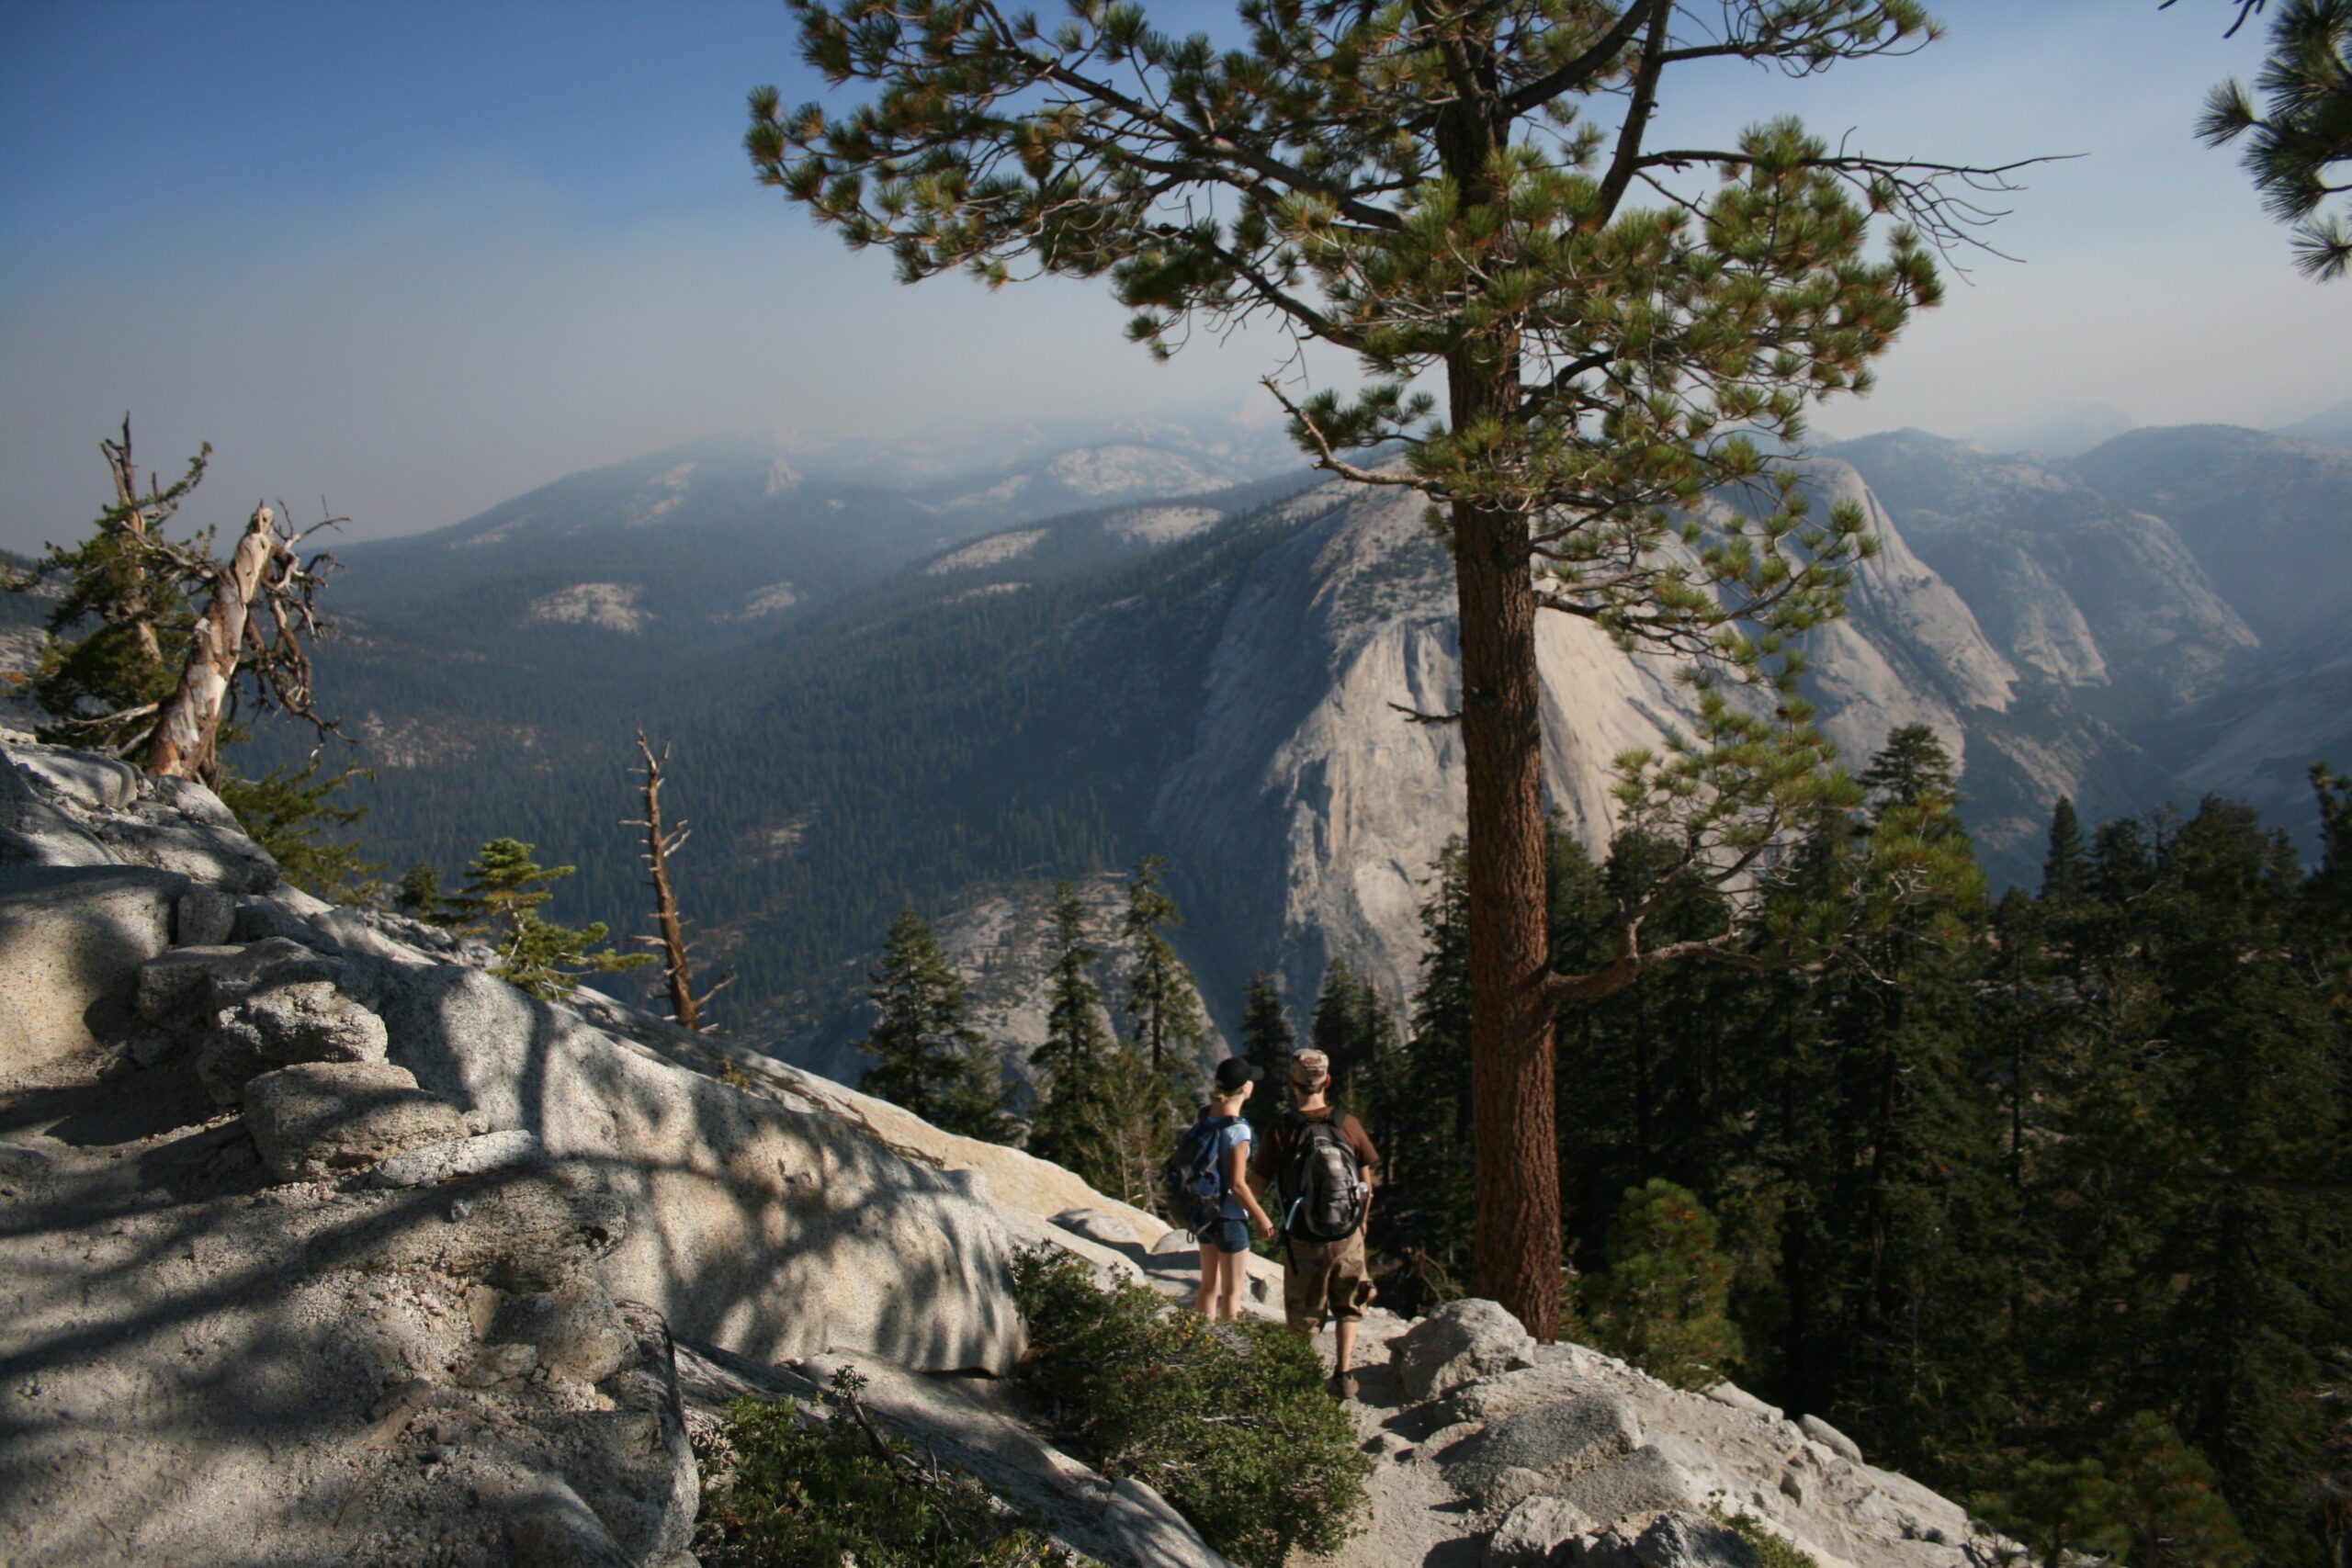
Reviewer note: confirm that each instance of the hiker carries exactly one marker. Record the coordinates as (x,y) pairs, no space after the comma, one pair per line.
(1225,1238)
(1322,1161)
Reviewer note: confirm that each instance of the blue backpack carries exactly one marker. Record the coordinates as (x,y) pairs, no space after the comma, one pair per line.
(1192,1184)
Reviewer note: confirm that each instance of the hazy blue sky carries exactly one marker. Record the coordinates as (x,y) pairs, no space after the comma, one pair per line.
(421,256)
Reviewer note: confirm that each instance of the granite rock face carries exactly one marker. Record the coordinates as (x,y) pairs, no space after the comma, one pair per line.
(1687,1541)
(72,940)
(1308,812)
(1535,1529)
(763,1229)
(1549,1442)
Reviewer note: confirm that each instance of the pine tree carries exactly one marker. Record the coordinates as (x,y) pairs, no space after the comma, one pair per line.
(2246,1084)
(1102,1113)
(1162,1001)
(2167,1500)
(2301,139)
(2066,869)
(1417,1108)
(1662,1303)
(1438,189)
(119,631)
(287,810)
(1266,1043)
(501,899)
(420,896)
(928,1057)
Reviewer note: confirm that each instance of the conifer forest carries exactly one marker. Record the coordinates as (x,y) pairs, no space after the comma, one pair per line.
(2042,1197)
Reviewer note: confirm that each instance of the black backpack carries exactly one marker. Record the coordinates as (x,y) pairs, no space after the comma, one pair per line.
(1192,1184)
(1323,1181)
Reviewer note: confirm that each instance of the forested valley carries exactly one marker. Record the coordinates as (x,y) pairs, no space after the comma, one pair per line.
(2042,1197)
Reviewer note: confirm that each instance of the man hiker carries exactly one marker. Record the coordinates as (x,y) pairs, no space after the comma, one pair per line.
(1320,1161)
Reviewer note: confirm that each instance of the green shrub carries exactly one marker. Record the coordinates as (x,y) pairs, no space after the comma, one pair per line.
(788,1487)
(1228,1421)
(1771,1551)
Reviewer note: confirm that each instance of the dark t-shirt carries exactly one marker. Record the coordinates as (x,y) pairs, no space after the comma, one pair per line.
(1272,1156)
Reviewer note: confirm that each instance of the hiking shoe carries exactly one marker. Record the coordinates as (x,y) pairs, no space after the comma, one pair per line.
(1343,1386)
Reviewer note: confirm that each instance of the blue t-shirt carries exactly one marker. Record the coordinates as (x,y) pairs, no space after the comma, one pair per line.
(1228,1139)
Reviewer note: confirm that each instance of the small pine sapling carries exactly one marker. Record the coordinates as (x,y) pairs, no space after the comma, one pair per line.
(501,899)
(1663,1303)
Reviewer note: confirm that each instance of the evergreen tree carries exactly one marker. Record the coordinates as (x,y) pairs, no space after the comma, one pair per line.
(2299,143)
(1162,1001)
(118,633)
(1419,1110)
(501,899)
(287,810)
(1662,1303)
(1923,1190)
(1910,768)
(2245,1083)
(133,666)
(928,1059)
(2167,1500)
(2066,869)
(1437,189)
(1354,1026)
(1266,1043)
(1102,1113)
(420,896)
(2123,862)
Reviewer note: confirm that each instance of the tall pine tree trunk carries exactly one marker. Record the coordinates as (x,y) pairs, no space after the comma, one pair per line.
(1516,1255)
(188,733)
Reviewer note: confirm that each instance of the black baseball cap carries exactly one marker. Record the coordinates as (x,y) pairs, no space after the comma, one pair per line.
(1233,1072)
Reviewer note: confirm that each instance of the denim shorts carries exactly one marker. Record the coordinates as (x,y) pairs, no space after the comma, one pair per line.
(1226,1236)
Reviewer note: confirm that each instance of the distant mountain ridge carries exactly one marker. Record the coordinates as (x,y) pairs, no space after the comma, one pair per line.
(925,694)
(2331,423)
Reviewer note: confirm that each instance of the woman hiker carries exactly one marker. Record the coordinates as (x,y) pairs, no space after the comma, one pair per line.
(1225,1241)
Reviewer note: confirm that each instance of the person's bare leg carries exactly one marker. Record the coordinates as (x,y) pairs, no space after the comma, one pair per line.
(1211,1277)
(1236,1279)
(1344,1360)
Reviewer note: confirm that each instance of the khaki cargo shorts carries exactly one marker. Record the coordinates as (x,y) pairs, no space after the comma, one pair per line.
(1324,1278)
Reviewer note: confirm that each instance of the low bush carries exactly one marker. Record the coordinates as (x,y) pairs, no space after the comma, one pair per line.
(1771,1551)
(1228,1421)
(786,1487)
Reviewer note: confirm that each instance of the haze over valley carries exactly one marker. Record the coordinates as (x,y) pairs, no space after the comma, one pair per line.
(943,676)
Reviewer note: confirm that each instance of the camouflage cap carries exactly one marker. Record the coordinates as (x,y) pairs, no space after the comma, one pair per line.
(1310,1070)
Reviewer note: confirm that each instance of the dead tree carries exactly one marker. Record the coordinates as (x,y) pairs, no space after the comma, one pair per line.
(260,616)
(660,844)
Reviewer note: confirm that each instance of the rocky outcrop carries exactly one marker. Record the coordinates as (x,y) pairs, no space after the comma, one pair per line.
(451,1275)
(411,1296)
(1571,1457)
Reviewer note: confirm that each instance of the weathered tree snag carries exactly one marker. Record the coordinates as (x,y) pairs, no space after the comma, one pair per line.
(677,965)
(187,735)
(263,578)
